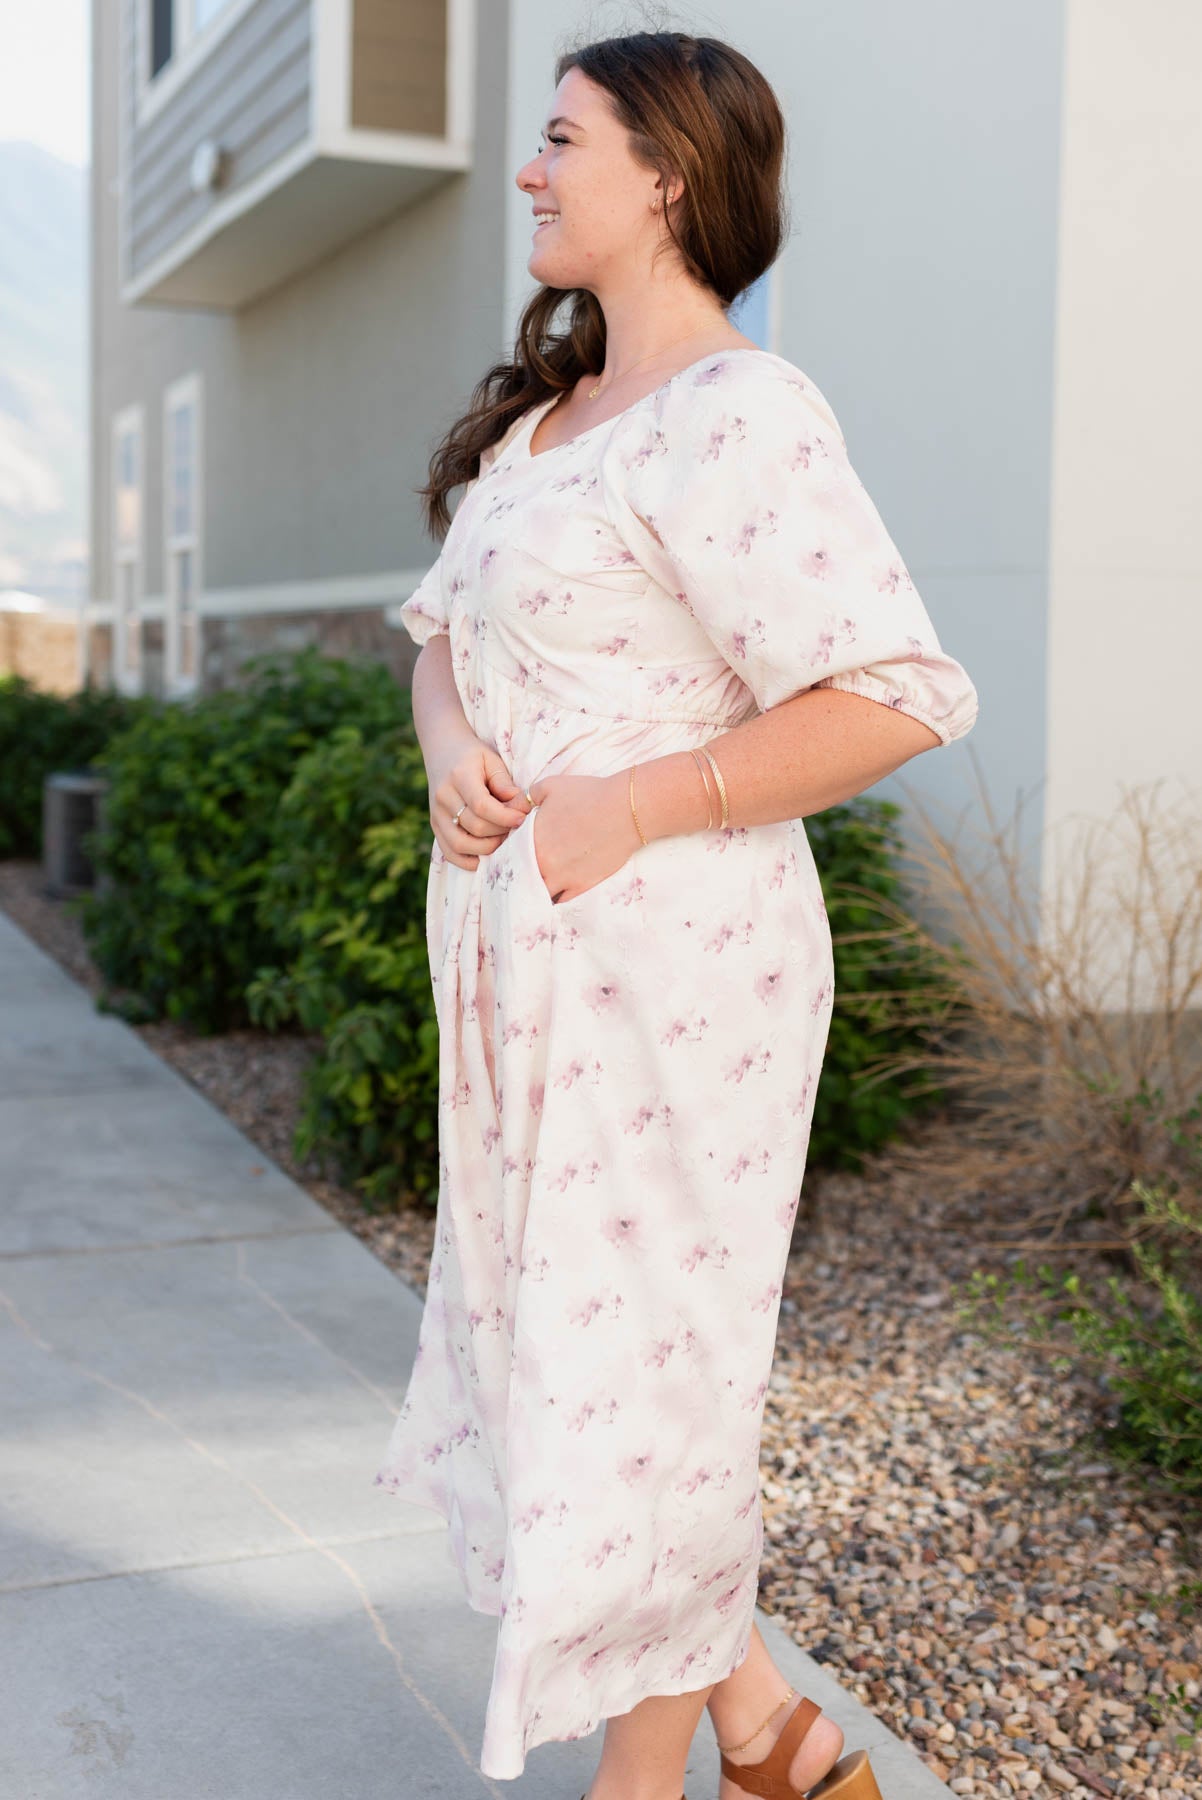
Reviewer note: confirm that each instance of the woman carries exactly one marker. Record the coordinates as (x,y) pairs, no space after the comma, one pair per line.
(667,617)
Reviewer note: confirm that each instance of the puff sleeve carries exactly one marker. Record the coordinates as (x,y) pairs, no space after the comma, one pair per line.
(761,528)
(425,614)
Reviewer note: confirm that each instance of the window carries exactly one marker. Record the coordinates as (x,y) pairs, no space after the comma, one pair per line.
(127,548)
(175,23)
(181,530)
(161,33)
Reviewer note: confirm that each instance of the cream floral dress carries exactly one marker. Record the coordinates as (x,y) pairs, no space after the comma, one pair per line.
(627,1079)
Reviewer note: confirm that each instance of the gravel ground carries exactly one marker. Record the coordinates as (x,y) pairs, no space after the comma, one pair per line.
(940,1526)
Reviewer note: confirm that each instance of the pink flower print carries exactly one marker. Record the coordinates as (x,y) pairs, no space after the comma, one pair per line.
(574,1072)
(487,557)
(825,993)
(529,672)
(802,1102)
(572,1172)
(619,558)
(524,1030)
(709,374)
(682,1668)
(767,1299)
(608,1548)
(535,1267)
(615,646)
(580,1418)
(588,1310)
(686,1031)
(647,1114)
(769,983)
(637,1467)
(751,1062)
(725,1601)
(753,528)
(699,1478)
(590,1662)
(602,996)
(751,1502)
(654,444)
(730,933)
(894,577)
(713,448)
(799,456)
(750,635)
(745,1162)
(581,1638)
(828,638)
(713,1252)
(536,1512)
(786,1212)
(816,564)
(541,601)
(659,1352)
(756,1397)
(633,1660)
(619,1229)
(675,683)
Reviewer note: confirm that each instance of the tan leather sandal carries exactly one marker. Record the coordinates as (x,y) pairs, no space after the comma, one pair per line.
(850,1779)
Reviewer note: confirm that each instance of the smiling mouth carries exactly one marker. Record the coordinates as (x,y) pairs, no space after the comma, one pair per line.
(541,219)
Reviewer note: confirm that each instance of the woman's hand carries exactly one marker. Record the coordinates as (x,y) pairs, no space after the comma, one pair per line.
(584,830)
(476,779)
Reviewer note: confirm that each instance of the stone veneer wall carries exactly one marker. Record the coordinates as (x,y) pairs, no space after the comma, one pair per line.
(227,643)
(44,648)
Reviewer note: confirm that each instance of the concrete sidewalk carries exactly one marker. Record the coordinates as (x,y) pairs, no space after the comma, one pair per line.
(202,1592)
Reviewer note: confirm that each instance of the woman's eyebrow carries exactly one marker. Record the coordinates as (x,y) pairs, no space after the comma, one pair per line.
(560,120)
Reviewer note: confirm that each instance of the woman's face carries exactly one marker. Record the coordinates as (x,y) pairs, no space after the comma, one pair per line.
(602,226)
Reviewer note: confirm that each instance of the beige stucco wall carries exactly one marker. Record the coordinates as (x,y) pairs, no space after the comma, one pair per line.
(1125,614)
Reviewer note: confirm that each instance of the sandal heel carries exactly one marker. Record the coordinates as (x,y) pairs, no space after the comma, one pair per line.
(850,1779)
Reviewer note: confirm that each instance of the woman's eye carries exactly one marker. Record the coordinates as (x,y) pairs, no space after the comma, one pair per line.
(554,140)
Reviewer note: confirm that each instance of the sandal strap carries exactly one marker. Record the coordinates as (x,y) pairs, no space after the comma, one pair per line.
(770,1777)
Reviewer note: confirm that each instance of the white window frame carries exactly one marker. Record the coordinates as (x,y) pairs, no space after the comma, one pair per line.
(189,48)
(128,554)
(186,392)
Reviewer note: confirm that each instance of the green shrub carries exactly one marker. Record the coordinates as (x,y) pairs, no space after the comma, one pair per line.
(45,734)
(345,896)
(856,846)
(190,820)
(1139,1331)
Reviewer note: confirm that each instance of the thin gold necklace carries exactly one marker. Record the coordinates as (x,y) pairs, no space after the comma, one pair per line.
(593,392)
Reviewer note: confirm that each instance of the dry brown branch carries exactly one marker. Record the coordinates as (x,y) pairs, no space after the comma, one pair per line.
(1063,1026)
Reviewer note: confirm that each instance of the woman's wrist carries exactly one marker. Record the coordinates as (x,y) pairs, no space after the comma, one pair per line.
(670,796)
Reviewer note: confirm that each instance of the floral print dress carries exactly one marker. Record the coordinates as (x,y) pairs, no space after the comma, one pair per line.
(627,1078)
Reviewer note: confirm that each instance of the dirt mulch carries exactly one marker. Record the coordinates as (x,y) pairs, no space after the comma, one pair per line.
(942,1525)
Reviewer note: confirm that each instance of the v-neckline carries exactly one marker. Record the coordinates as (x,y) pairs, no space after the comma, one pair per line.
(542,407)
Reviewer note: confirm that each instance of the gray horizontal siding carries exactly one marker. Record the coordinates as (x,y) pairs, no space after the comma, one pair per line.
(250,94)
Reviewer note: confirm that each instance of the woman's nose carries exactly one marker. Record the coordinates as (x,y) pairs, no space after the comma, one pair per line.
(528,175)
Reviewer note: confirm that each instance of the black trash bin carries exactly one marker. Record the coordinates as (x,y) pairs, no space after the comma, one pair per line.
(72,806)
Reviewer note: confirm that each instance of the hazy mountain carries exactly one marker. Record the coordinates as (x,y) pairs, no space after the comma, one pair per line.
(43,361)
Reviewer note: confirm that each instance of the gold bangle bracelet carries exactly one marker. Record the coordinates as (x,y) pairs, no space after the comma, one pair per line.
(709,800)
(721,784)
(633,814)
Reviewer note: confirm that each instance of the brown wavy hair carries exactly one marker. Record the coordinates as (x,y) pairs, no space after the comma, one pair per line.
(693,106)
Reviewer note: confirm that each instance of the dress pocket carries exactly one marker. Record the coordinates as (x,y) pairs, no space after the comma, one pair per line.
(599,888)
(534,874)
